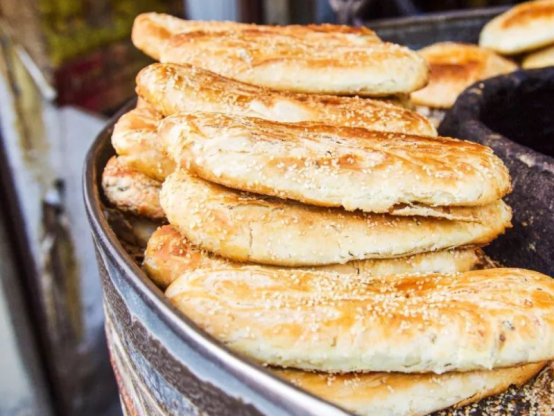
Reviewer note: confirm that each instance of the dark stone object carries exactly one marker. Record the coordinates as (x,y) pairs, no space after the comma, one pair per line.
(514,115)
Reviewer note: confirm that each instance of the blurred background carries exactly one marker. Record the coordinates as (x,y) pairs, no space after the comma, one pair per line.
(65,67)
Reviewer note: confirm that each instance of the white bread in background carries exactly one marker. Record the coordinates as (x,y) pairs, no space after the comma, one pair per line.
(454,67)
(171,89)
(524,27)
(322,62)
(334,166)
(135,137)
(169,254)
(151,30)
(252,228)
(314,320)
(130,190)
(539,59)
(396,394)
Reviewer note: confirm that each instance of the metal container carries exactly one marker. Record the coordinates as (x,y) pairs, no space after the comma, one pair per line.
(164,364)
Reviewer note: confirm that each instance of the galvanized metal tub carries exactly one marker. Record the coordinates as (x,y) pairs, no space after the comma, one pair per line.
(164,364)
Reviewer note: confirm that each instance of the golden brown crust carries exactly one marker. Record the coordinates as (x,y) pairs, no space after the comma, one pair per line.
(182,88)
(168,255)
(151,30)
(252,228)
(335,166)
(142,104)
(468,214)
(454,67)
(540,59)
(300,61)
(330,322)
(524,27)
(532,399)
(135,137)
(517,376)
(408,394)
(130,190)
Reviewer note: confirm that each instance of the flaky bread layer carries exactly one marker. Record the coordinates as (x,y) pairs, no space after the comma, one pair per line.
(183,88)
(251,228)
(169,254)
(300,61)
(334,166)
(151,30)
(135,137)
(408,394)
(324,321)
(130,190)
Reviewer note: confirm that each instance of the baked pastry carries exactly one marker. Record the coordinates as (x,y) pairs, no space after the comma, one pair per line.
(539,59)
(135,137)
(300,61)
(151,30)
(454,67)
(130,190)
(169,254)
(359,315)
(335,166)
(141,104)
(171,89)
(333,322)
(399,394)
(340,47)
(524,27)
(254,228)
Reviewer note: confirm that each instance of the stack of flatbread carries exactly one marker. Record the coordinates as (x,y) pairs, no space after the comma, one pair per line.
(333,238)
(524,34)
(526,30)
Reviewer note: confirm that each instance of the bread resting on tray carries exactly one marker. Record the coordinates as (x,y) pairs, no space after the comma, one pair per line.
(334,239)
